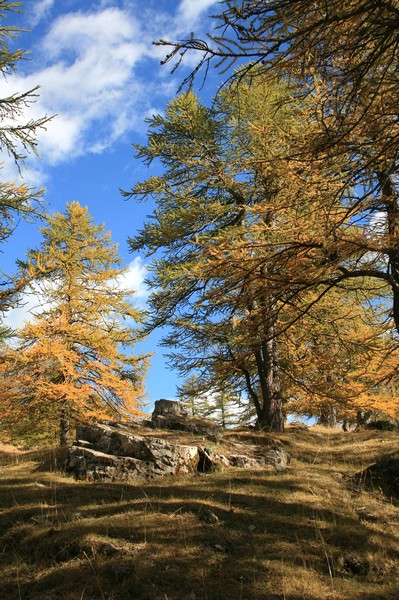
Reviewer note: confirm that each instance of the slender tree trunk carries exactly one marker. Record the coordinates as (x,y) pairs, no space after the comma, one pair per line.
(223,414)
(389,198)
(271,416)
(362,418)
(268,404)
(65,427)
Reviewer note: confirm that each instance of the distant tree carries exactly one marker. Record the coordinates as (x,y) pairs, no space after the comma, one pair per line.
(340,359)
(74,358)
(192,397)
(224,406)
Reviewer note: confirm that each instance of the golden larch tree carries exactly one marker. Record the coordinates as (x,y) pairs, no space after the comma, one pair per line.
(74,358)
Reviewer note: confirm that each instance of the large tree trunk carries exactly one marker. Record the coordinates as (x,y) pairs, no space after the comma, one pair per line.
(328,415)
(65,427)
(268,403)
(270,412)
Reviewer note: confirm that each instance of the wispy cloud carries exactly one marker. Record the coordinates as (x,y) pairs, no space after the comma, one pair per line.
(88,80)
(39,10)
(32,303)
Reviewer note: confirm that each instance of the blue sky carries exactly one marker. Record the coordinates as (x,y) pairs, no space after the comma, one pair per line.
(101,76)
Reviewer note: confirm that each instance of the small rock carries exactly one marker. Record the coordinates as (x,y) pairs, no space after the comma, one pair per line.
(223,546)
(364,515)
(40,519)
(277,458)
(298,426)
(209,517)
(109,549)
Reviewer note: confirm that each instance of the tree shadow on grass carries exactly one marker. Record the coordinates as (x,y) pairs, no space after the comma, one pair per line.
(162,548)
(272,538)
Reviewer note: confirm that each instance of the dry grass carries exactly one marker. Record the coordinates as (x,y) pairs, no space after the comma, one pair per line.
(300,535)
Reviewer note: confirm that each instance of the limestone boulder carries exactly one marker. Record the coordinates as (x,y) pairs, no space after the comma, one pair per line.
(85,463)
(255,457)
(277,458)
(198,427)
(168,407)
(113,451)
(170,415)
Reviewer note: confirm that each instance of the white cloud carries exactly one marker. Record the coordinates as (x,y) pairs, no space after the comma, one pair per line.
(378,223)
(32,303)
(79,32)
(88,81)
(191,16)
(93,76)
(34,177)
(133,279)
(190,10)
(62,134)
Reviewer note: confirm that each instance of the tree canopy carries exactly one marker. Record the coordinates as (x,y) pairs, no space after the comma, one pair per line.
(242,231)
(252,231)
(348,49)
(18,137)
(343,56)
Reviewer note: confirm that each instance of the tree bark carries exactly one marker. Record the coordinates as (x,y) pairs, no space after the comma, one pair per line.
(65,427)
(390,200)
(328,415)
(270,416)
(362,418)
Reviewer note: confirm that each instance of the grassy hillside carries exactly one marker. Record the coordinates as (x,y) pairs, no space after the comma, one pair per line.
(310,533)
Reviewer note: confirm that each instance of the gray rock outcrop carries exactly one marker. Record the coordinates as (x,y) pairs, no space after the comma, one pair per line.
(116,451)
(127,451)
(382,476)
(168,407)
